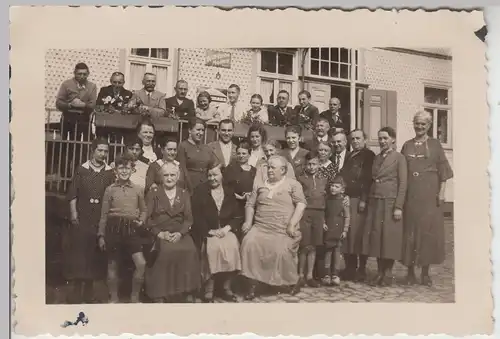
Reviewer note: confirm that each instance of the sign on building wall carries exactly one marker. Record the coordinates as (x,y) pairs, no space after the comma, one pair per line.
(220,59)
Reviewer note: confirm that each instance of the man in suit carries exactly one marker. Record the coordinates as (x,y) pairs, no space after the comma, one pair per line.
(307,112)
(114,98)
(334,117)
(282,114)
(321,133)
(224,149)
(340,153)
(148,101)
(179,106)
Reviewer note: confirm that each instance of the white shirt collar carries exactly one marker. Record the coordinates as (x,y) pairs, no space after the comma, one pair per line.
(324,138)
(88,165)
(327,163)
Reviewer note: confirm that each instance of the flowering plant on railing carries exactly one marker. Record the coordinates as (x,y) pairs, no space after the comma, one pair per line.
(170,113)
(305,121)
(114,104)
(251,118)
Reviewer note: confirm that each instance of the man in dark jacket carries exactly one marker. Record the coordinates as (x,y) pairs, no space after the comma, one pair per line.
(282,114)
(336,120)
(114,98)
(179,106)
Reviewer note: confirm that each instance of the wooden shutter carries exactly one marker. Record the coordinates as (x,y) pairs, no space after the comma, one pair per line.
(379,110)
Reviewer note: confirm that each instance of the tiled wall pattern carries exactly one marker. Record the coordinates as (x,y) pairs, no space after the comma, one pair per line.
(406,74)
(60,63)
(192,69)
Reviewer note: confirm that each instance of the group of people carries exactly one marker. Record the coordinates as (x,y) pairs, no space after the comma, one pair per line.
(193,216)
(80,94)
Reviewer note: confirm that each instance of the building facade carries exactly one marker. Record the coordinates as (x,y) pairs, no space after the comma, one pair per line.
(376,86)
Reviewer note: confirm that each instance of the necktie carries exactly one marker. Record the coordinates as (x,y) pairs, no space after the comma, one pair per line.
(337,163)
(233,109)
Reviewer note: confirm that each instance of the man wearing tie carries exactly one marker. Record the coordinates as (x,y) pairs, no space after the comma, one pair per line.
(281,114)
(148,101)
(333,115)
(179,106)
(340,150)
(233,109)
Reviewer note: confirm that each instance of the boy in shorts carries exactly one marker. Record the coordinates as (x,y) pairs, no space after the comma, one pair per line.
(123,214)
(311,224)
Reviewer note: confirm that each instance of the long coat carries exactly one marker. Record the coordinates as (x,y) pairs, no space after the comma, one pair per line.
(383,236)
(357,173)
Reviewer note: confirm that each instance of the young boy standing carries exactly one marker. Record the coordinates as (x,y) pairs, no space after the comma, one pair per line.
(311,225)
(337,215)
(123,213)
(295,154)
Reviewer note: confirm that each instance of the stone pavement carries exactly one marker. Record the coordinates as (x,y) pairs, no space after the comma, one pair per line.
(442,291)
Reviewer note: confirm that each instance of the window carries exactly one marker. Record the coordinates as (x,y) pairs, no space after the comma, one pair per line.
(277,71)
(437,101)
(153,60)
(332,63)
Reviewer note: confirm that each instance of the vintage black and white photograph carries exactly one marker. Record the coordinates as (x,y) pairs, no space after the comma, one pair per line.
(228,174)
(320,174)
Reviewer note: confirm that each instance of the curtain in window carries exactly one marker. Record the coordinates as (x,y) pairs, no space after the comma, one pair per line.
(267,91)
(136,74)
(287,86)
(161,78)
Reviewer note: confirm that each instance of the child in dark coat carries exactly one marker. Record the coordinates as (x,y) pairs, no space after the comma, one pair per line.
(337,216)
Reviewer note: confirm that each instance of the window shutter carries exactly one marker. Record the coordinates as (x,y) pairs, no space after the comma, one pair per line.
(379,110)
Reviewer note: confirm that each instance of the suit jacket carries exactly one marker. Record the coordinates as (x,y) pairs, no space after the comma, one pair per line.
(311,112)
(156,102)
(185,110)
(207,217)
(215,146)
(298,162)
(276,118)
(357,173)
(341,123)
(390,176)
(121,100)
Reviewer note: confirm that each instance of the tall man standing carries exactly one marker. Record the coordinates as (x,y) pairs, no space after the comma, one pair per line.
(357,173)
(339,141)
(179,106)
(148,101)
(321,133)
(76,100)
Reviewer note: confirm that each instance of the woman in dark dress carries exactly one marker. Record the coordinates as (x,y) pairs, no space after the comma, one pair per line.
(194,155)
(239,176)
(428,171)
(82,260)
(169,152)
(176,270)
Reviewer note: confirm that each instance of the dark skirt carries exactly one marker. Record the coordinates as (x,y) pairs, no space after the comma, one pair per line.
(424,241)
(382,236)
(82,258)
(353,243)
(175,271)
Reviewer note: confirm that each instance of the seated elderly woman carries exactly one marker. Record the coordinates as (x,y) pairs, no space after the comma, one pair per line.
(271,147)
(176,270)
(272,215)
(215,211)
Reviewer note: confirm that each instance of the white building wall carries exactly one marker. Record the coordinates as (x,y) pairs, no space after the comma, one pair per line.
(406,74)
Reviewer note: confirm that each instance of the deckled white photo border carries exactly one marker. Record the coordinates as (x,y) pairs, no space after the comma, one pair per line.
(35,29)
